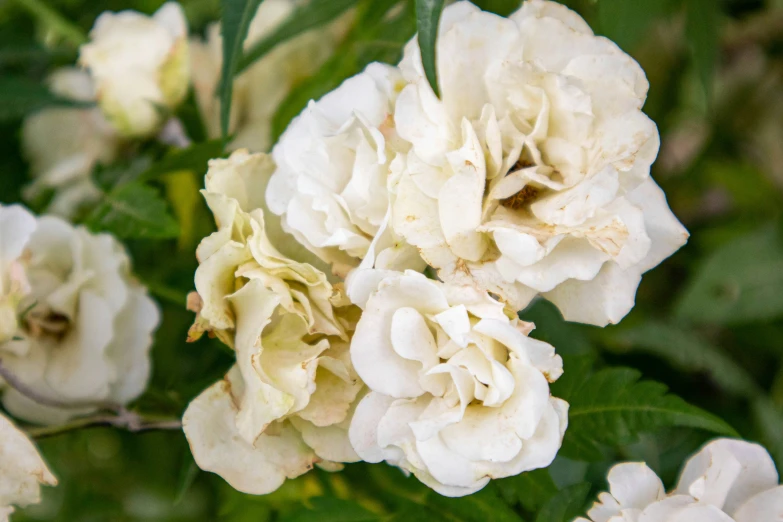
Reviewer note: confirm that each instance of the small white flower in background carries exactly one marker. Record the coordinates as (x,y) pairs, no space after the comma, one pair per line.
(140,66)
(23,470)
(334,166)
(259,90)
(531,174)
(65,144)
(727,481)
(459,392)
(16,227)
(83,326)
(286,404)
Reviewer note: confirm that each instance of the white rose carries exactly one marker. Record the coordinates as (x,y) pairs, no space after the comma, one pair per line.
(140,66)
(459,392)
(16,227)
(333,169)
(259,90)
(727,481)
(84,327)
(23,470)
(531,174)
(286,404)
(65,144)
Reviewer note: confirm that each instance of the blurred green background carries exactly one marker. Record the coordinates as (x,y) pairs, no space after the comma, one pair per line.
(708,322)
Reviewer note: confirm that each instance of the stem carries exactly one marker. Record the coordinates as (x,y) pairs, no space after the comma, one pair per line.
(54,20)
(128,420)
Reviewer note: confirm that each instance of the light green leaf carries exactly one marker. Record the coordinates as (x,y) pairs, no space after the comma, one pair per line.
(741,282)
(568,504)
(427,17)
(703,31)
(234,24)
(686,350)
(134,210)
(305,17)
(612,406)
(21,96)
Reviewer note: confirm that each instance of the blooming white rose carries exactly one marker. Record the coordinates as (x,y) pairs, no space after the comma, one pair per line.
(16,227)
(23,470)
(286,404)
(259,90)
(65,144)
(530,175)
(459,392)
(140,66)
(333,167)
(727,481)
(84,326)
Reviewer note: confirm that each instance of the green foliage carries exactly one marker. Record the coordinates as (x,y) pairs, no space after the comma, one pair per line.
(566,505)
(194,158)
(626,23)
(612,406)
(20,97)
(427,17)
(740,282)
(234,24)
(703,25)
(531,490)
(134,210)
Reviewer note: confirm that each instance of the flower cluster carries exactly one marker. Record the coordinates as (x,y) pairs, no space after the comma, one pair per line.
(528,176)
(75,328)
(727,481)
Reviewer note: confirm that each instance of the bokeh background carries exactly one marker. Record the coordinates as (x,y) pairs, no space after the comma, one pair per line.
(708,321)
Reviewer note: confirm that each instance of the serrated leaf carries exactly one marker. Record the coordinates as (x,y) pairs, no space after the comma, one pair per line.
(427,17)
(612,406)
(686,350)
(21,96)
(566,505)
(329,509)
(531,489)
(703,31)
(305,17)
(134,210)
(194,159)
(234,24)
(740,282)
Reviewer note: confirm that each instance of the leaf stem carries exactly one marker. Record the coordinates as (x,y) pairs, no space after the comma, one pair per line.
(127,420)
(55,21)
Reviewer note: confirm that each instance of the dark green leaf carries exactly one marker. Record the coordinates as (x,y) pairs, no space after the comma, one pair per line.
(532,489)
(612,406)
(566,505)
(740,282)
(686,350)
(235,22)
(194,158)
(427,17)
(20,96)
(501,7)
(703,31)
(119,173)
(328,509)
(478,507)
(134,210)
(305,17)
(625,23)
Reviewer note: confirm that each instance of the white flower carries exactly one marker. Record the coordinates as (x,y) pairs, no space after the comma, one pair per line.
(333,166)
(84,326)
(531,174)
(140,66)
(65,144)
(23,470)
(16,227)
(727,481)
(259,90)
(286,404)
(459,392)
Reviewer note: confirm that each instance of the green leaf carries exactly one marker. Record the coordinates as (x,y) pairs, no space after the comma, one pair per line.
(686,350)
(703,31)
(134,210)
(194,158)
(625,23)
(531,489)
(305,17)
(54,21)
(568,504)
(329,509)
(612,406)
(234,24)
(478,507)
(21,96)
(501,7)
(427,17)
(741,282)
